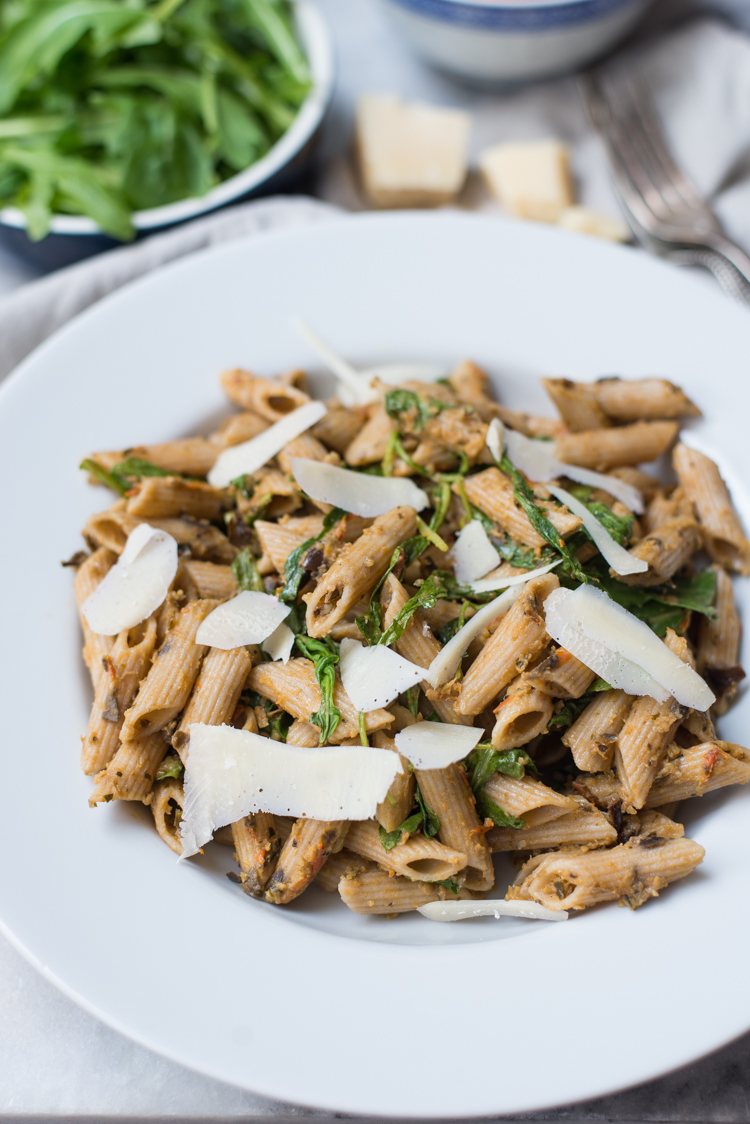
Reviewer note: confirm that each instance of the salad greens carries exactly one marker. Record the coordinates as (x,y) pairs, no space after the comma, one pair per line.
(113,106)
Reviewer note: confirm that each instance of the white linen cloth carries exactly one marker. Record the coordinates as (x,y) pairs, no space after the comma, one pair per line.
(699,77)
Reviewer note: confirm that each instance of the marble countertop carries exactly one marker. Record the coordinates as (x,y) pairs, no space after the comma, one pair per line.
(58,1062)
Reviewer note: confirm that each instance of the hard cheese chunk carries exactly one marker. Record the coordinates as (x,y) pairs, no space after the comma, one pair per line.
(410,155)
(585,221)
(531,179)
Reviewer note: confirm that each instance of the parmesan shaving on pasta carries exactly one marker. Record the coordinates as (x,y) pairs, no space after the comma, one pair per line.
(136,585)
(473,555)
(356,492)
(621,561)
(536,460)
(503,581)
(436,745)
(231,773)
(620,648)
(357,384)
(249,618)
(374,677)
(446,662)
(244,459)
(458,911)
(279,644)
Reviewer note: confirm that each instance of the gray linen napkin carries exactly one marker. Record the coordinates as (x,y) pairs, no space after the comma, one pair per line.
(35,311)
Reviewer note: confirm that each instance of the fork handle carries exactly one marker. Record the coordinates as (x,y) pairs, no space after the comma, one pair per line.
(734,255)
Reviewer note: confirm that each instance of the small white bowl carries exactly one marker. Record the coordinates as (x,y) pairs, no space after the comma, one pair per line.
(484,41)
(73,237)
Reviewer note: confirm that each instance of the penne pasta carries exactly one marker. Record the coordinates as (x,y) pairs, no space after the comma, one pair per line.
(723,536)
(602,449)
(419,858)
(268,398)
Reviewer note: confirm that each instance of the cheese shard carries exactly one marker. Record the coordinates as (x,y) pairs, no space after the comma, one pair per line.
(353,386)
(621,561)
(537,461)
(356,492)
(582,220)
(279,644)
(249,618)
(136,585)
(436,745)
(410,154)
(620,648)
(374,677)
(473,555)
(459,911)
(232,773)
(490,584)
(446,662)
(244,459)
(530,179)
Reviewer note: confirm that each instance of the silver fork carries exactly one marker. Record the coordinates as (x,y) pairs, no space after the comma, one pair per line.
(663,208)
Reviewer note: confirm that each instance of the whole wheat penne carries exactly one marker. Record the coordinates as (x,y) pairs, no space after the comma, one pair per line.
(294,688)
(577,404)
(167,806)
(665,505)
(215,694)
(698,770)
(237,429)
(344,864)
(447,793)
(126,666)
(400,796)
(584,827)
(470,385)
(370,444)
(603,449)
(302,856)
(641,746)
(629,400)
(424,859)
(159,497)
(591,738)
(528,799)
(269,398)
(190,456)
(376,891)
(459,430)
(305,446)
(522,715)
(278,540)
(561,675)
(303,733)
(338,428)
(357,569)
(418,645)
(719,644)
(131,773)
(211,580)
(257,843)
(631,873)
(111,529)
(510,649)
(666,550)
(492,492)
(95,646)
(723,536)
(169,682)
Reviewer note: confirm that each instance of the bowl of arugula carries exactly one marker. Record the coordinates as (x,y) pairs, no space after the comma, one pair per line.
(121,118)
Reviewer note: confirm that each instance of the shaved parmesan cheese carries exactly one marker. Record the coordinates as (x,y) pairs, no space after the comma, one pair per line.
(136,585)
(618,557)
(356,492)
(445,664)
(620,648)
(244,459)
(396,373)
(473,555)
(536,460)
(248,618)
(360,391)
(457,911)
(279,644)
(232,773)
(488,585)
(374,677)
(436,745)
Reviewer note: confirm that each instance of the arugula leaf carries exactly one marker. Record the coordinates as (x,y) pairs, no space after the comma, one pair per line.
(278,720)
(401,401)
(619,526)
(450,884)
(521,557)
(324,655)
(489,809)
(426,597)
(134,468)
(572,708)
(293,568)
(484,762)
(663,607)
(412,699)
(103,477)
(390,839)
(430,822)
(245,570)
(171,766)
(449,630)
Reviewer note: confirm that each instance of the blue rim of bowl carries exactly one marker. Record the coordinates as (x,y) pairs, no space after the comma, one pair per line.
(511,17)
(316,39)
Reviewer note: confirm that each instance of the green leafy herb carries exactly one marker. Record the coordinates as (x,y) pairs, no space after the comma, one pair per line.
(103,477)
(278,720)
(430,822)
(324,655)
(426,597)
(134,468)
(484,762)
(521,557)
(489,809)
(245,570)
(400,401)
(450,884)
(619,526)
(449,630)
(171,766)
(293,568)
(240,485)
(412,699)
(665,606)
(363,728)
(390,839)
(571,709)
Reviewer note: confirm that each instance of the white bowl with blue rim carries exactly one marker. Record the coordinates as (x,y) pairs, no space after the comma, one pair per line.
(485,41)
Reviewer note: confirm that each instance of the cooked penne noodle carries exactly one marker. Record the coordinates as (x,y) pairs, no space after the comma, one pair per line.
(577,403)
(376,891)
(698,770)
(602,449)
(257,843)
(371,441)
(592,737)
(423,859)
(629,400)
(522,716)
(269,398)
(159,497)
(448,794)
(641,746)
(528,799)
(302,856)
(340,426)
(492,492)
(191,456)
(723,536)
(238,429)
(303,733)
(215,695)
(131,773)
(392,811)
(211,580)
(344,864)
(306,446)
(719,645)
(666,550)
(95,646)
(111,529)
(167,806)
(585,827)
(278,540)
(561,675)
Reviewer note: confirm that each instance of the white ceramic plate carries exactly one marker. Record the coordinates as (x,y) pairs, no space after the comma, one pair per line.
(310,1003)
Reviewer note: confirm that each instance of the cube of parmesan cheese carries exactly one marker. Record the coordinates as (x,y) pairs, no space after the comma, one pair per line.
(530,179)
(585,221)
(410,155)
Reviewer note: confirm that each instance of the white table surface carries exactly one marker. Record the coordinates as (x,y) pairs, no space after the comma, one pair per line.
(57,1061)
